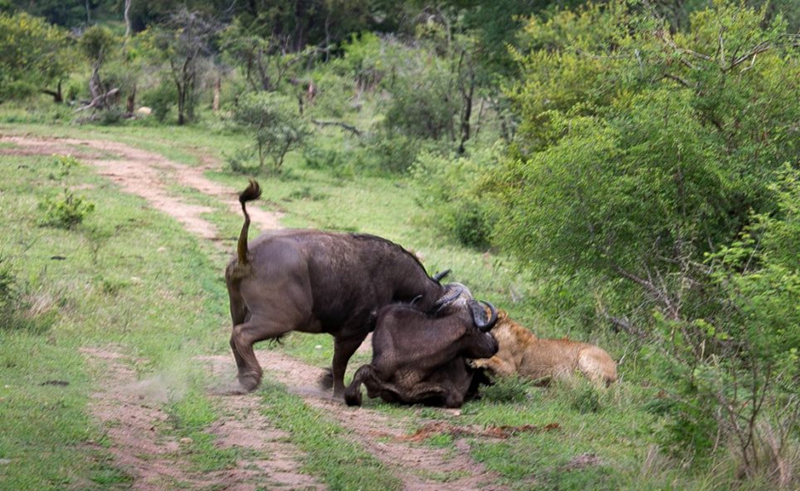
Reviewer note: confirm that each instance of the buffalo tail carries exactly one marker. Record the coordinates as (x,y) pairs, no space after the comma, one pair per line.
(252,192)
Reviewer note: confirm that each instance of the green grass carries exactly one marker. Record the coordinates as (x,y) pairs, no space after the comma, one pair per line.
(132,277)
(342,463)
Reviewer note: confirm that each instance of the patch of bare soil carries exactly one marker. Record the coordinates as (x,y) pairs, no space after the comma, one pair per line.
(130,409)
(148,175)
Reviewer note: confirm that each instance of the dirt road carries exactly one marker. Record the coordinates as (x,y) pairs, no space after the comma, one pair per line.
(129,409)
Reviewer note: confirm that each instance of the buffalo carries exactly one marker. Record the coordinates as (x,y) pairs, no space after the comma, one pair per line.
(318,282)
(421,357)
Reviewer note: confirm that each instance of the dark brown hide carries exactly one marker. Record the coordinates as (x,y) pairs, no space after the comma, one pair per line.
(418,358)
(316,282)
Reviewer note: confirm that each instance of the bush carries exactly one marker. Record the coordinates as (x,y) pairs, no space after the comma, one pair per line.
(391,152)
(65,210)
(15,311)
(161,99)
(452,190)
(8,294)
(275,124)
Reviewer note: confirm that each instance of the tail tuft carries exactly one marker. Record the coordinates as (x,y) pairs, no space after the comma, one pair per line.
(251,192)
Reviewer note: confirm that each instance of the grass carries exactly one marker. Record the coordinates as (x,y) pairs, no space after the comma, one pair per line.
(342,463)
(131,277)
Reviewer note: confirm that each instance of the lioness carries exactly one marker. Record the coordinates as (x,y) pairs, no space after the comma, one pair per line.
(523,353)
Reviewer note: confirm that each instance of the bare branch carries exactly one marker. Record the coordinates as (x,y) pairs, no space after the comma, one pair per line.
(345,126)
(759,48)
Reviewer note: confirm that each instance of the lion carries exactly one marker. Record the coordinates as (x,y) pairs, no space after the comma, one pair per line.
(522,353)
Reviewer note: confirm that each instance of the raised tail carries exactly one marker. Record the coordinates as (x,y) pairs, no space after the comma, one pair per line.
(252,192)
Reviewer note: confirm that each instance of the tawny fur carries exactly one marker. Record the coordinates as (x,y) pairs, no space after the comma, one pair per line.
(522,353)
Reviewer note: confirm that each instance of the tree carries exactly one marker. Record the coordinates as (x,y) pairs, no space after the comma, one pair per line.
(34,56)
(183,42)
(97,42)
(642,156)
(276,126)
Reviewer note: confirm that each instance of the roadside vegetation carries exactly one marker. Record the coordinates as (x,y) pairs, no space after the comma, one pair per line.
(624,173)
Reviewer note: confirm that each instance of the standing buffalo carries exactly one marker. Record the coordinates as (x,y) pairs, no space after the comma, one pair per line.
(315,282)
(421,358)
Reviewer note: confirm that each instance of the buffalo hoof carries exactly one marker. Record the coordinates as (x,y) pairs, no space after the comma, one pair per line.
(249,381)
(353,398)
(234,388)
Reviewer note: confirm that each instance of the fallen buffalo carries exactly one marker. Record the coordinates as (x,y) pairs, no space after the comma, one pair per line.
(421,358)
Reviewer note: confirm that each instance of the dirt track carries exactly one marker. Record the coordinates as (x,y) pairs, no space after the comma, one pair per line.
(130,409)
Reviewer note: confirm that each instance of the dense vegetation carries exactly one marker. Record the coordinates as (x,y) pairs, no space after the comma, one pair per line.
(639,161)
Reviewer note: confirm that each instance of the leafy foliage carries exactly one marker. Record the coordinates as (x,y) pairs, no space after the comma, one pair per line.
(652,158)
(274,124)
(34,55)
(450,188)
(65,210)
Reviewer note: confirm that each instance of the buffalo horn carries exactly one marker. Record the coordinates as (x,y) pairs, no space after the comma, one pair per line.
(440,275)
(453,292)
(479,314)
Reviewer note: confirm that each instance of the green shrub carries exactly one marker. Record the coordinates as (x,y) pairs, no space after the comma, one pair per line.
(238,161)
(317,157)
(161,99)
(391,152)
(452,190)
(274,124)
(15,310)
(8,293)
(65,210)
(65,164)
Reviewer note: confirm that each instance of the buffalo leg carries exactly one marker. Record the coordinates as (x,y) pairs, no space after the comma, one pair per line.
(343,350)
(352,395)
(244,336)
(375,385)
(239,316)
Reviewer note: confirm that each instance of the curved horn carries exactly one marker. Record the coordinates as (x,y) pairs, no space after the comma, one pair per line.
(440,275)
(452,293)
(479,314)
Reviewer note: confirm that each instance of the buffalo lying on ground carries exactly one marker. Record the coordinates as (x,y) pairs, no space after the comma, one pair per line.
(522,353)
(421,358)
(318,282)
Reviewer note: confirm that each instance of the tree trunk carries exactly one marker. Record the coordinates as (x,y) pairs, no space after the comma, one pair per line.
(217,88)
(57,95)
(127,18)
(466,114)
(181,104)
(131,104)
